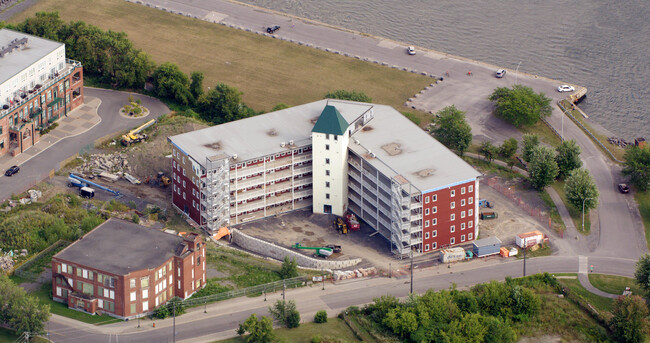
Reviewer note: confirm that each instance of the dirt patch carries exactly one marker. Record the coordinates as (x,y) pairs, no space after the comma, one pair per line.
(309,233)
(296,229)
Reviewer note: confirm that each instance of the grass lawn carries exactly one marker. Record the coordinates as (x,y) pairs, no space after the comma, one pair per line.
(266,70)
(558,224)
(617,151)
(544,133)
(576,215)
(491,168)
(334,327)
(44,296)
(543,251)
(614,284)
(9,336)
(643,200)
(600,303)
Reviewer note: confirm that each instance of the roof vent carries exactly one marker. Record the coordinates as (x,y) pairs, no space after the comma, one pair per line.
(283,144)
(372,154)
(369,152)
(234,156)
(356,141)
(291,142)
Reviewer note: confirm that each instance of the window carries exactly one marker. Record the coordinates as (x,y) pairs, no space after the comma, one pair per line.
(426,211)
(470,223)
(426,199)
(327,146)
(470,189)
(174,164)
(470,200)
(327,195)
(327,136)
(426,223)
(470,236)
(327,184)
(462,190)
(336,137)
(145,293)
(434,221)
(133,296)
(453,193)
(179,284)
(426,235)
(132,283)
(453,205)
(470,212)
(462,214)
(79,272)
(453,216)
(434,233)
(435,209)
(327,161)
(132,308)
(434,245)
(183,182)
(462,202)
(452,228)
(145,306)
(426,247)
(434,197)
(327,172)
(452,240)
(462,238)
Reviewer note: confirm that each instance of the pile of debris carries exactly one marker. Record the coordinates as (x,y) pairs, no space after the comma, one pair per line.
(98,163)
(619,141)
(6,263)
(353,274)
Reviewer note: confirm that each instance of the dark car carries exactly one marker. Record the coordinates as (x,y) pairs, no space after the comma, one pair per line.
(623,188)
(12,170)
(272,29)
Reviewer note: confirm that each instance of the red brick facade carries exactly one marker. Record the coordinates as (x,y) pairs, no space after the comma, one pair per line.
(186,193)
(19,127)
(135,294)
(449,216)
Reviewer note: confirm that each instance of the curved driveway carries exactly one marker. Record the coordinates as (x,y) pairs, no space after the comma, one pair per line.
(32,171)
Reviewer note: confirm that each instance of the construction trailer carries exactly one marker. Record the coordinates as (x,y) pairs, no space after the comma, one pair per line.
(487,246)
(529,239)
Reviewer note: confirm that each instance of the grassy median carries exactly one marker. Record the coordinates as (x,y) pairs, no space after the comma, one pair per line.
(643,200)
(266,70)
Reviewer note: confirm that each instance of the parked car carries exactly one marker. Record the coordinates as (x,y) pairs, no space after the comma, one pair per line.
(272,29)
(12,170)
(500,73)
(410,50)
(565,88)
(623,188)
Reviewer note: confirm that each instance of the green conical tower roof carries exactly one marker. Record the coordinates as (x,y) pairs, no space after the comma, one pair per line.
(331,121)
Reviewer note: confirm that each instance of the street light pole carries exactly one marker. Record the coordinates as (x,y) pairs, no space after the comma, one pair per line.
(517,72)
(583,213)
(411,271)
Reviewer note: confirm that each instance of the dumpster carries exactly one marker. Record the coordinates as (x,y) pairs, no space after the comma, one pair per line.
(488,215)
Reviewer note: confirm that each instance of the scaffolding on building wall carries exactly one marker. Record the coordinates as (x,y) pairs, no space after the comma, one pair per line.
(217,193)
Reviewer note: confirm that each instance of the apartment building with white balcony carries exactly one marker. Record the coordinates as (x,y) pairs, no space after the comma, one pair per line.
(335,156)
(37,86)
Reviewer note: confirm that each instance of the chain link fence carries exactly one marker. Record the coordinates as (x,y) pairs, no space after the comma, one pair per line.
(23,270)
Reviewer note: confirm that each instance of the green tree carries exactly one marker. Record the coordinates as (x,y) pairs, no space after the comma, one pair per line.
(567,158)
(42,24)
(520,105)
(196,85)
(176,306)
(279,106)
(509,148)
(468,329)
(289,268)
(530,142)
(401,322)
(320,317)
(285,313)
(488,150)
(497,331)
(642,273)
(580,187)
(348,95)
(452,130)
(629,322)
(381,306)
(222,104)
(161,312)
(21,312)
(171,83)
(637,166)
(260,330)
(542,167)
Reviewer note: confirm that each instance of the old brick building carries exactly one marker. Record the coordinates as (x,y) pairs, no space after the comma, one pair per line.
(126,270)
(37,86)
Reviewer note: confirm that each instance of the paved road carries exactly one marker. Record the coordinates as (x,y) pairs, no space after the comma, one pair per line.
(31,172)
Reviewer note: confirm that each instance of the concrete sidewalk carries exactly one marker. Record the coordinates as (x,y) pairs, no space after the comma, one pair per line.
(78,121)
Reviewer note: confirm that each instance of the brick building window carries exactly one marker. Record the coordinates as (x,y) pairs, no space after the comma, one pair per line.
(462,202)
(132,283)
(426,247)
(426,223)
(434,209)
(462,214)
(462,238)
(426,235)
(426,211)
(453,216)
(453,205)
(462,226)
(434,233)
(453,193)
(470,223)
(434,221)
(462,190)
(452,228)
(434,197)
(426,199)
(470,235)
(470,212)
(470,200)
(452,240)
(434,245)
(470,189)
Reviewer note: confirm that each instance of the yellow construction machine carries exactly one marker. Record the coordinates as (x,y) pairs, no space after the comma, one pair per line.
(136,135)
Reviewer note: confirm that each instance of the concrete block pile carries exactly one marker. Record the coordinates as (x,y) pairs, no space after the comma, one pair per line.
(353,274)
(6,263)
(96,163)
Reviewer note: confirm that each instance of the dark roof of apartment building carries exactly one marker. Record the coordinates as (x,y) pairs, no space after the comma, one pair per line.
(120,247)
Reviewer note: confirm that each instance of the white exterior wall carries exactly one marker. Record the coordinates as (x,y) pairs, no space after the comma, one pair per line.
(35,74)
(338,172)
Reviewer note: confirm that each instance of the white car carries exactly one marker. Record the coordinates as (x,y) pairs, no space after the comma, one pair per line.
(410,50)
(565,88)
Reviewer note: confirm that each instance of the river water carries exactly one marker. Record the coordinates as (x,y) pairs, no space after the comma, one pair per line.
(603,45)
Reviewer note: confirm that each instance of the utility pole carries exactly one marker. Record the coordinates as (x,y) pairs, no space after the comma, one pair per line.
(526,248)
(321,271)
(411,271)
(284,289)
(390,270)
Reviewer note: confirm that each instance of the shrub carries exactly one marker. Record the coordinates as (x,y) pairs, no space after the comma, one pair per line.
(161,312)
(320,317)
(135,218)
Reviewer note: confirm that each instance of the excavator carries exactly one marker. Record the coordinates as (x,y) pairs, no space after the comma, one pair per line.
(136,135)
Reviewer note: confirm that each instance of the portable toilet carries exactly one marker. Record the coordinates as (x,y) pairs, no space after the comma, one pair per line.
(487,246)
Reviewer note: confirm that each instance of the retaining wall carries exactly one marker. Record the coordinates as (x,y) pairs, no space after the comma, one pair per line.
(271,250)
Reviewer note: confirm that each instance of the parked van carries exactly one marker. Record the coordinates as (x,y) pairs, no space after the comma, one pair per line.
(87,192)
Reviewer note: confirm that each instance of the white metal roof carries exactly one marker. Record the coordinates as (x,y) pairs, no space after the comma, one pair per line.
(20,59)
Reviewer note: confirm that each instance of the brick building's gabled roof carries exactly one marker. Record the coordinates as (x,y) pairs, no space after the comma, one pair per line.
(331,121)
(121,247)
